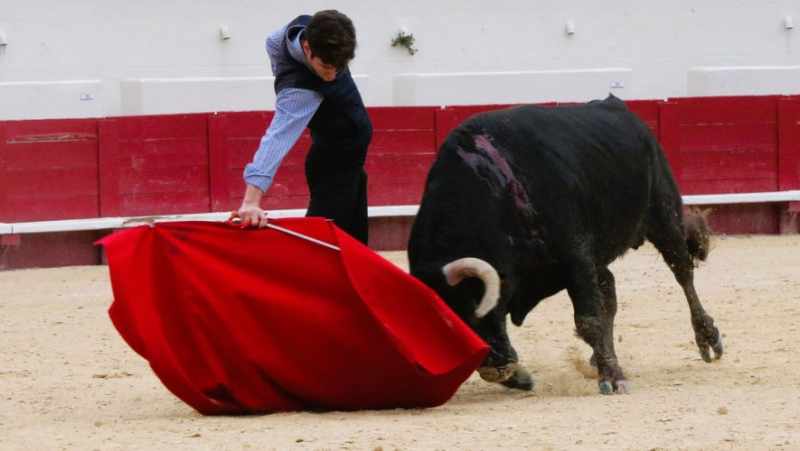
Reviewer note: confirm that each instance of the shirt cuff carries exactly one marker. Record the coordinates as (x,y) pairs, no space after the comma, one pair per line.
(260,181)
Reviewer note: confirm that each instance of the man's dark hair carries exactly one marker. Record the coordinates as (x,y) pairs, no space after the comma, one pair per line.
(331,37)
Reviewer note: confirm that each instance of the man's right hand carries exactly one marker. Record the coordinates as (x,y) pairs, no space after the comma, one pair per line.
(252,216)
(250,213)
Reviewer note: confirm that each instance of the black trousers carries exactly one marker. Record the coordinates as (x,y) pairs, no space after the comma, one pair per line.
(341,196)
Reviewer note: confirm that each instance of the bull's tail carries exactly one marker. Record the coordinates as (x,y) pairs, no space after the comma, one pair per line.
(697,232)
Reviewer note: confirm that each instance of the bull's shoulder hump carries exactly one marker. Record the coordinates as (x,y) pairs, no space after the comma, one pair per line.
(513,113)
(611,102)
(529,112)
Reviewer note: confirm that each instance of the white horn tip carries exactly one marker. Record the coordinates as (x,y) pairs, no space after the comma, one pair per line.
(483,310)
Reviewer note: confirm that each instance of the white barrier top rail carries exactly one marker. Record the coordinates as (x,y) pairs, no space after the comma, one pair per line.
(744,198)
(71,225)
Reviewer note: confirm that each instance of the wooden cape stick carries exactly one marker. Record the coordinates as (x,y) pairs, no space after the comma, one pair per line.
(235,218)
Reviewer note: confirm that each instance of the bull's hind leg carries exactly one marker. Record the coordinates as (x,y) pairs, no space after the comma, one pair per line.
(594,299)
(672,245)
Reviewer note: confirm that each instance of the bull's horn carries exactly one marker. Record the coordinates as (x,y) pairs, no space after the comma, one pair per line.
(455,272)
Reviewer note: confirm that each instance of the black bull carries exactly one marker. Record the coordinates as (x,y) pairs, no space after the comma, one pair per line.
(524,202)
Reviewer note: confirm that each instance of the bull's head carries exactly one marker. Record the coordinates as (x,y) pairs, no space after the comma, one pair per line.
(501,365)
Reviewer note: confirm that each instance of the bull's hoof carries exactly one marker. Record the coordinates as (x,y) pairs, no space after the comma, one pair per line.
(707,337)
(511,376)
(521,380)
(623,387)
(718,349)
(492,374)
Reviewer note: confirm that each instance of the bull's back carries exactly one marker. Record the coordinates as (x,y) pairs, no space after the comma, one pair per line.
(587,170)
(577,136)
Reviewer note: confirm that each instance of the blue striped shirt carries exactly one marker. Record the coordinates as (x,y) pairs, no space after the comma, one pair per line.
(294,109)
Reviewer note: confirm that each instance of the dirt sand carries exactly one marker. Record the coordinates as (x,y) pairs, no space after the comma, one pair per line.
(68,381)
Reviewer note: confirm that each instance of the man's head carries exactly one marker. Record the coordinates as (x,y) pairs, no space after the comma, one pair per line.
(329,43)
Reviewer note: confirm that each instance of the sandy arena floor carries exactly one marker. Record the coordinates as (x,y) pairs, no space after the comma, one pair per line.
(68,381)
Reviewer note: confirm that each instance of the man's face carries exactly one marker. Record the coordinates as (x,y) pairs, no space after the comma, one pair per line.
(323,71)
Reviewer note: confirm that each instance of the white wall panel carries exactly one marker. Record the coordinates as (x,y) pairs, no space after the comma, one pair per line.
(728,81)
(51,41)
(193,95)
(510,87)
(44,100)
(187,95)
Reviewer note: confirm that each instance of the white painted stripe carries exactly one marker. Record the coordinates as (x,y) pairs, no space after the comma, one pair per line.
(393,210)
(68,225)
(71,225)
(744,198)
(297,213)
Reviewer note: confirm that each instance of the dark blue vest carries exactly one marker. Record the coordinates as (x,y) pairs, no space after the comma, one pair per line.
(340,126)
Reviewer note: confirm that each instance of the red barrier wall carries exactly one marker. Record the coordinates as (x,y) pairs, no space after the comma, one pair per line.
(48,170)
(725,145)
(789,143)
(233,139)
(153,165)
(150,165)
(193,163)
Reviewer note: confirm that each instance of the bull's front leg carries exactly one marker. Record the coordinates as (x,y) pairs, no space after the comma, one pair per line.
(594,301)
(502,364)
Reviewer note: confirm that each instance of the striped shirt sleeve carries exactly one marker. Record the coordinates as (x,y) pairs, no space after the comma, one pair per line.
(273,46)
(294,109)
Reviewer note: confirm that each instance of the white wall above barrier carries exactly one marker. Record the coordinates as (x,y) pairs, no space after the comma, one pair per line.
(113,40)
(731,81)
(191,95)
(202,95)
(45,100)
(511,87)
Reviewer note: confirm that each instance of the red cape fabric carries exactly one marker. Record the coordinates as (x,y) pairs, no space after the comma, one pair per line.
(244,321)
